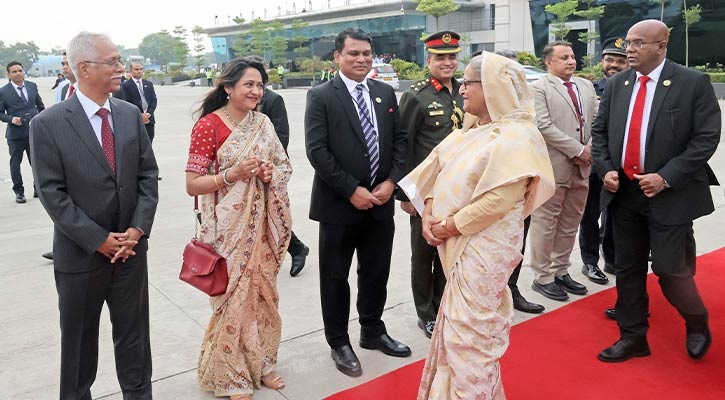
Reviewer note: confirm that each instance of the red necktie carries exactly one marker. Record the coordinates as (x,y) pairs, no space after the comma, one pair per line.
(107,139)
(631,155)
(71,89)
(574,100)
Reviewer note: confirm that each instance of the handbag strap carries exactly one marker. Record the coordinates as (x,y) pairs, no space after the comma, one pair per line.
(197,211)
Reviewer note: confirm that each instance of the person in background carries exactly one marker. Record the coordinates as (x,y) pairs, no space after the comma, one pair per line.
(58,80)
(246,217)
(429,111)
(474,191)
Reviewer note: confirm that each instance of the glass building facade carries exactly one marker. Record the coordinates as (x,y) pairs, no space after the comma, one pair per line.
(619,15)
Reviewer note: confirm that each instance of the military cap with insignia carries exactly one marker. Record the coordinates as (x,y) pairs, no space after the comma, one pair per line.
(444,42)
(614,46)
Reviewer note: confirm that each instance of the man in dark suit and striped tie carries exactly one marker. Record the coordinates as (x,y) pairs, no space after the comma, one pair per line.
(357,147)
(96,176)
(19,103)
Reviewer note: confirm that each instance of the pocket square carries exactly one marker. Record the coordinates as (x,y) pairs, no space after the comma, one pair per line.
(390,109)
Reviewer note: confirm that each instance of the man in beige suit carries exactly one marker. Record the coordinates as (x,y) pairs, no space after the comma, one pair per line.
(565,107)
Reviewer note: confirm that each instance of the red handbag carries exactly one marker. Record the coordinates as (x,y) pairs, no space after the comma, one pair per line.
(202,267)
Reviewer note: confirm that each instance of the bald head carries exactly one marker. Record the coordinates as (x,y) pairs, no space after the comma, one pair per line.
(648,45)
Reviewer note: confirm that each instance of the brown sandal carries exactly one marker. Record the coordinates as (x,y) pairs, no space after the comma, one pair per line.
(273,381)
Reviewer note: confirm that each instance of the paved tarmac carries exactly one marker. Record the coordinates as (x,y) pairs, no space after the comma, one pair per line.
(29,333)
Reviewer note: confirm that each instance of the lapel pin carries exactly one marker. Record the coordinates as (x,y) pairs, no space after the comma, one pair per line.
(667,82)
(626,83)
(378,100)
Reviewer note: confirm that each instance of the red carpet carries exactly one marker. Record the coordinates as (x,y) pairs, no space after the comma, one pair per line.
(554,356)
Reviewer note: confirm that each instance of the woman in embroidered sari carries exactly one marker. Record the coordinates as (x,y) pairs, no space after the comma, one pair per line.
(249,224)
(474,191)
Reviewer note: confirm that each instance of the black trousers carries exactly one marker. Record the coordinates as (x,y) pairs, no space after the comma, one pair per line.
(17,147)
(373,242)
(426,273)
(514,278)
(151,131)
(124,288)
(673,261)
(590,232)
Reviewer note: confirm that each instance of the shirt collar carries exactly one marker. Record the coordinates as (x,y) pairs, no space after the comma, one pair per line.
(89,106)
(17,86)
(654,76)
(351,84)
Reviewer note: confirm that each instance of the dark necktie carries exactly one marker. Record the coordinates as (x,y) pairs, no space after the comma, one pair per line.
(22,94)
(144,103)
(634,138)
(575,101)
(371,137)
(107,139)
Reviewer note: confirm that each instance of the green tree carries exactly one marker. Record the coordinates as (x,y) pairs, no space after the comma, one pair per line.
(691,16)
(259,37)
(436,8)
(299,40)
(562,11)
(199,48)
(278,44)
(180,48)
(240,45)
(591,14)
(157,47)
(25,53)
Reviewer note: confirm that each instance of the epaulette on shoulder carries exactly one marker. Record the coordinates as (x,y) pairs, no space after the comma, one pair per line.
(420,85)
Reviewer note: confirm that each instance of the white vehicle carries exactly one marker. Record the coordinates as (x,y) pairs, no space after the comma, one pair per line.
(385,73)
(533,74)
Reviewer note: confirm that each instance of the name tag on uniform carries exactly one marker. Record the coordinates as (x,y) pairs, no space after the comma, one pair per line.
(438,112)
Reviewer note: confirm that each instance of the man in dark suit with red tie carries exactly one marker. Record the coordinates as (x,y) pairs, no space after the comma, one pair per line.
(19,103)
(357,147)
(657,126)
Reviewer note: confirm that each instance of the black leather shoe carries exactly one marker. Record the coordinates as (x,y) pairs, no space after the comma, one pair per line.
(611,313)
(609,268)
(570,285)
(35,194)
(594,274)
(48,255)
(298,261)
(386,344)
(551,291)
(523,305)
(346,361)
(624,349)
(698,340)
(20,198)
(427,327)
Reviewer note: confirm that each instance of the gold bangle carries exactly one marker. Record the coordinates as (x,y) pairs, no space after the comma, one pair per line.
(215,182)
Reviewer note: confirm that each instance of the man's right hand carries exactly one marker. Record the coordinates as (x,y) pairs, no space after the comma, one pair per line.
(408,207)
(611,181)
(362,199)
(112,244)
(17,121)
(586,156)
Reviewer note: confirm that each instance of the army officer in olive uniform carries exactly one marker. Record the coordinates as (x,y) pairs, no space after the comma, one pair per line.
(429,111)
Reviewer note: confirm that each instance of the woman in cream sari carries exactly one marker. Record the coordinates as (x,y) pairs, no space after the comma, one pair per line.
(250,226)
(474,191)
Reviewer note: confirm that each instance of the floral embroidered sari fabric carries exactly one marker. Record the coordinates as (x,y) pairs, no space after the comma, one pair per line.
(252,230)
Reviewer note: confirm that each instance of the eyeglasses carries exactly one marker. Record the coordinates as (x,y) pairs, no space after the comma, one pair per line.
(637,44)
(465,83)
(112,63)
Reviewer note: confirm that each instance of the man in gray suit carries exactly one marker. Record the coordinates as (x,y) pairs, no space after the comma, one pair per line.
(19,103)
(96,176)
(565,107)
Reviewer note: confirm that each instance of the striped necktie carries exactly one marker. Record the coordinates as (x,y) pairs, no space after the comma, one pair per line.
(371,137)
(22,94)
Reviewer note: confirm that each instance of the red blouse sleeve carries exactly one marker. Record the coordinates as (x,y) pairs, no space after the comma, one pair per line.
(202,150)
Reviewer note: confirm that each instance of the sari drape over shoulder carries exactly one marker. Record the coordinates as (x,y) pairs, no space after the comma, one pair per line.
(252,230)
(474,317)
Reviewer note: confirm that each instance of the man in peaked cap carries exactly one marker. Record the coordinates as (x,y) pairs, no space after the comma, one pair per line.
(614,59)
(429,111)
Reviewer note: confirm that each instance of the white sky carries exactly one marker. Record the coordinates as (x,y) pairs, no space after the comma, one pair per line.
(48,24)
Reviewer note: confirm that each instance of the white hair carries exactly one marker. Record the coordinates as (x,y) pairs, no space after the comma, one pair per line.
(81,48)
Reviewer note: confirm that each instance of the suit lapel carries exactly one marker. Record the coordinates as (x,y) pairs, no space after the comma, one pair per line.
(82,126)
(661,91)
(619,107)
(376,100)
(561,90)
(346,100)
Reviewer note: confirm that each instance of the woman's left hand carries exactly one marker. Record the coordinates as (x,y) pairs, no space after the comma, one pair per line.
(265,171)
(445,228)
